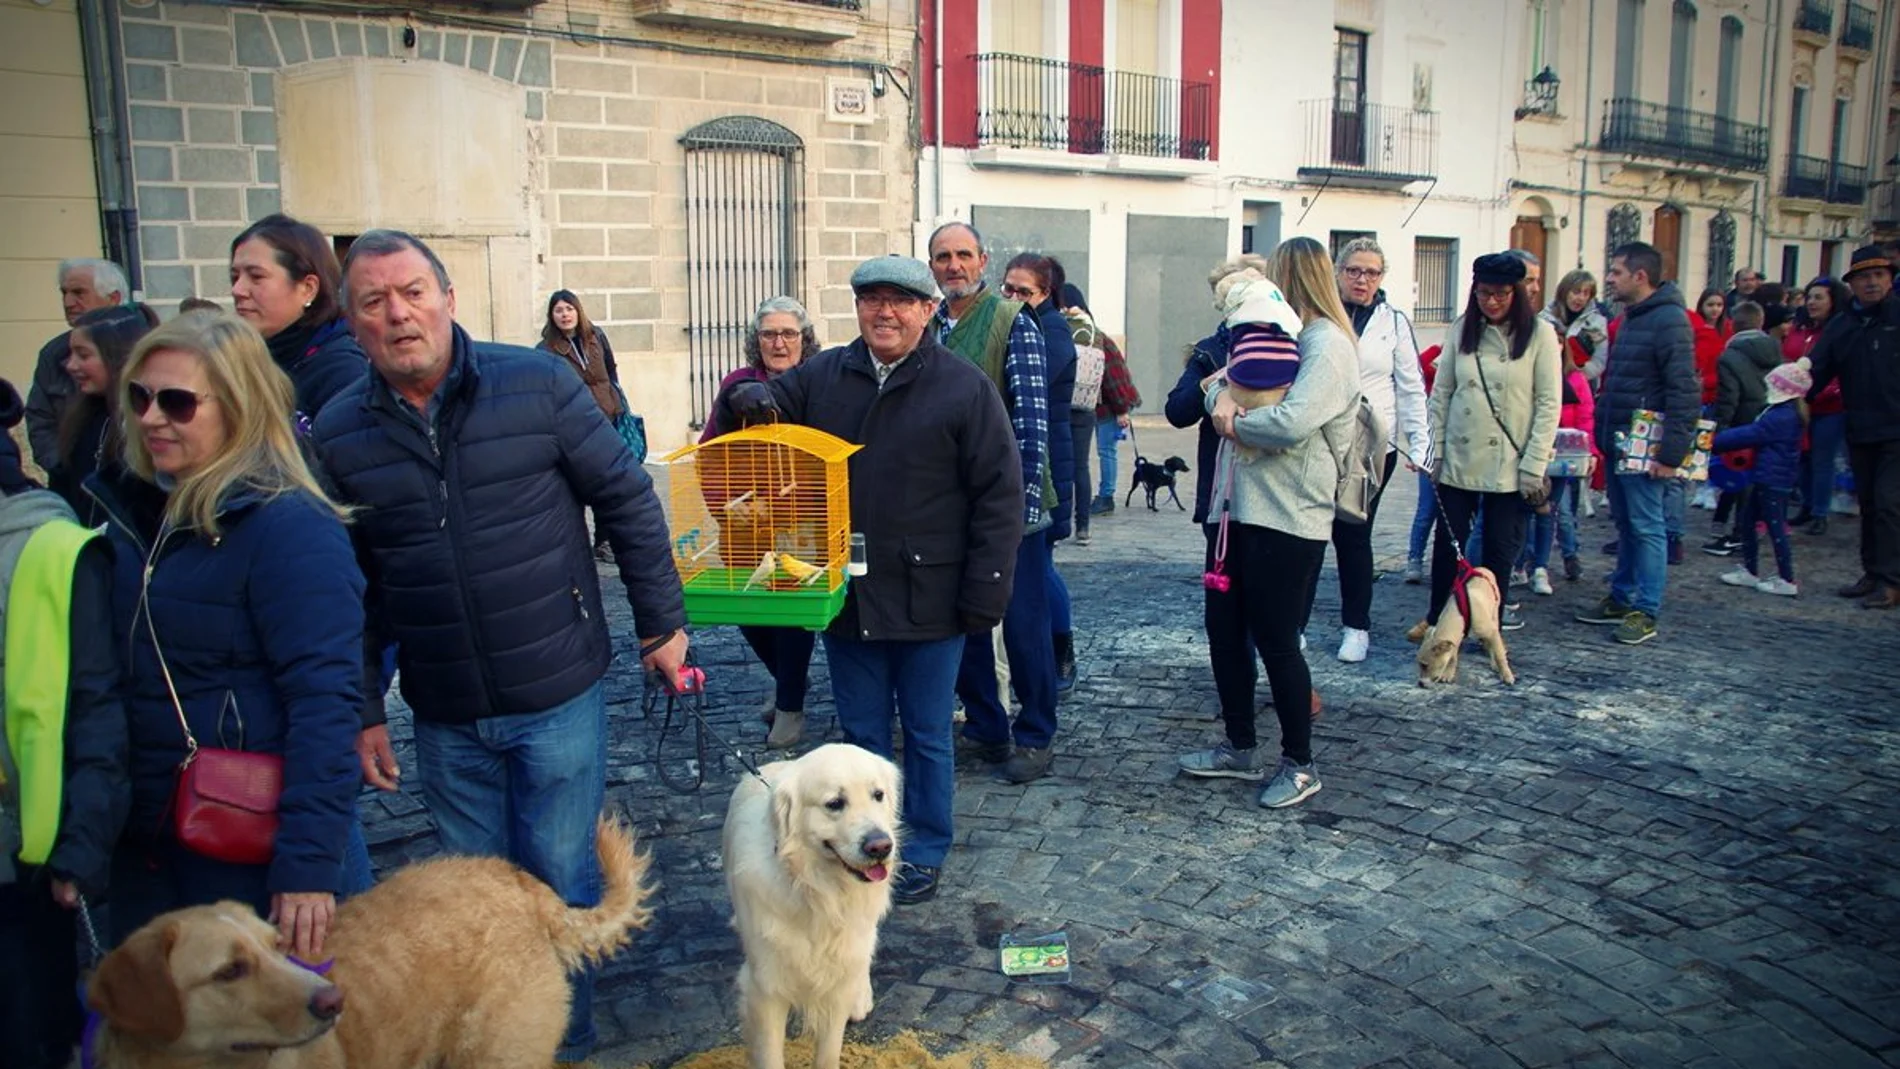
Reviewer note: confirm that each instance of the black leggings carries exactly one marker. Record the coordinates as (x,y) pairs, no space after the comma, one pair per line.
(786,654)
(1503,538)
(1352,555)
(1268,573)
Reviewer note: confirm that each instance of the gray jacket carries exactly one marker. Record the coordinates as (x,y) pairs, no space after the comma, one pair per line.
(1741,377)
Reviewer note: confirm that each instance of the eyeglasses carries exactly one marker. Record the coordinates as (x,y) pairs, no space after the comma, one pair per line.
(1363,274)
(882,301)
(176,403)
(1492,296)
(1017,291)
(786,336)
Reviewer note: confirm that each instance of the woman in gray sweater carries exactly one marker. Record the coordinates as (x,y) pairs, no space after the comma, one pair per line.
(1277,497)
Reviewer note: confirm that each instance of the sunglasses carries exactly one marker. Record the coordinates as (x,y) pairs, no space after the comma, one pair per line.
(176,403)
(1017,291)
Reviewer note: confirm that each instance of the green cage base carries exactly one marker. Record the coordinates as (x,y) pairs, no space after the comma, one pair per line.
(714,597)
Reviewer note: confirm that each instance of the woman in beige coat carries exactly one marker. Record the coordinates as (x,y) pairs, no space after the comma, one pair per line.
(1493,419)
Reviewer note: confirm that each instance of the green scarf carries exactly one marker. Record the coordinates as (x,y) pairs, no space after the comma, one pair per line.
(981,336)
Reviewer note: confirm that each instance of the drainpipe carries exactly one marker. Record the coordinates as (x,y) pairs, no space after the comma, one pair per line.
(937,103)
(1583,158)
(1771,63)
(102,51)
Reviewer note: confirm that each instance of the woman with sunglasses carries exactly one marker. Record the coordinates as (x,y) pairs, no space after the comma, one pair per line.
(238,595)
(1494,407)
(569,334)
(780,338)
(286,282)
(89,438)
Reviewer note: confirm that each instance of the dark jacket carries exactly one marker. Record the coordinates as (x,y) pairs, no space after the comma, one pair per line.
(1775,436)
(1652,365)
(88,454)
(321,363)
(1741,377)
(936,491)
(1187,405)
(262,630)
(46,399)
(1058,347)
(720,419)
(1862,350)
(480,564)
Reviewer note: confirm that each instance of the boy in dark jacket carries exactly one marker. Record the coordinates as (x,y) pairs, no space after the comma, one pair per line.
(63,786)
(1775,436)
(1741,395)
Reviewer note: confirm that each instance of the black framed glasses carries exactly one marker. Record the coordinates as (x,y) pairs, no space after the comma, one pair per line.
(176,403)
(1020,293)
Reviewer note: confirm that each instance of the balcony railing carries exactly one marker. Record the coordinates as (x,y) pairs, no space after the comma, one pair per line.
(1857,30)
(1376,142)
(1031,102)
(1885,211)
(1656,130)
(1815,16)
(1813,178)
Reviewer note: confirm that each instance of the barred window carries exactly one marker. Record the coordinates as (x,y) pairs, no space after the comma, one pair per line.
(1721,250)
(1625,226)
(1436,267)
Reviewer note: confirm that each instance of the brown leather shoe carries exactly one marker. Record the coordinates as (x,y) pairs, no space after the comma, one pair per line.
(1859,588)
(1887,597)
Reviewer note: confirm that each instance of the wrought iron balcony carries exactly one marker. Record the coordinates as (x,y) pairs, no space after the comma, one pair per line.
(1815,16)
(1885,212)
(1031,102)
(1658,131)
(1813,178)
(1378,143)
(1857,30)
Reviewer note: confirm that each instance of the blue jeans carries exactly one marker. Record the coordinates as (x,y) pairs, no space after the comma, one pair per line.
(1639,504)
(1105,444)
(358,876)
(1032,661)
(871,681)
(1061,616)
(1558,525)
(1826,437)
(1767,506)
(1423,518)
(1675,508)
(528,787)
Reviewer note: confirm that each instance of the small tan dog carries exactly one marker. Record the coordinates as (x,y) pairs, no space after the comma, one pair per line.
(808,864)
(455,962)
(1439,644)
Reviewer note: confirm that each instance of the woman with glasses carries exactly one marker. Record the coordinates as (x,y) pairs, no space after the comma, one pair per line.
(1390,378)
(89,438)
(237,593)
(1494,408)
(780,338)
(569,334)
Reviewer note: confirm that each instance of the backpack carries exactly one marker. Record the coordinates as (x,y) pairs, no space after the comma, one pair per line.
(1090,361)
(1361,461)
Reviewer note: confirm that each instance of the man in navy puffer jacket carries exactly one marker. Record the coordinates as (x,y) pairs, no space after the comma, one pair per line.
(473,461)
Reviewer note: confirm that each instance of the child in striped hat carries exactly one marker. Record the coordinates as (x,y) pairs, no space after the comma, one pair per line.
(1263,355)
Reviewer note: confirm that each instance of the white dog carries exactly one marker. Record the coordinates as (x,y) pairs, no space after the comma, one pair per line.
(808,863)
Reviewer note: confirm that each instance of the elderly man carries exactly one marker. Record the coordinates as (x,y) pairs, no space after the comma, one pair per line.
(1858,349)
(937,492)
(1747,281)
(1001,338)
(83,286)
(472,462)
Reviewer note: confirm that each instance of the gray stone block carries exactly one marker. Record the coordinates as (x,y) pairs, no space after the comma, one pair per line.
(193,11)
(260,202)
(152,163)
(214,165)
(322,39)
(537,65)
(145,81)
(158,242)
(192,85)
(507,58)
(481,52)
(151,123)
(455,48)
(349,39)
(255,46)
(429,44)
(211,47)
(213,204)
(290,39)
(376,40)
(535,105)
(214,280)
(149,40)
(159,203)
(263,89)
(267,168)
(260,128)
(170,282)
(211,126)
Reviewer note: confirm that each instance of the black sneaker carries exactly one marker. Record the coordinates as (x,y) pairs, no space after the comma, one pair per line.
(1675,551)
(990,753)
(914,884)
(1721,546)
(1026,764)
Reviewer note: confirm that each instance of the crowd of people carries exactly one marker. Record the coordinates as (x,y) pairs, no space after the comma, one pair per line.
(255,522)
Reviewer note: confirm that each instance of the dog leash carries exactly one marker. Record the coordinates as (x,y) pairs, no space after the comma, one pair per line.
(685,695)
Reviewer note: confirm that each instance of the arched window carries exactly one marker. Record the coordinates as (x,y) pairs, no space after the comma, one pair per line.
(1667,237)
(1721,250)
(745,226)
(1625,225)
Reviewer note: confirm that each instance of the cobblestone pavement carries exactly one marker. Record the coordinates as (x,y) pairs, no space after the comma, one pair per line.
(1677,854)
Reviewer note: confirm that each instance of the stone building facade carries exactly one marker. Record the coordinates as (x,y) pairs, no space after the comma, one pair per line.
(670,161)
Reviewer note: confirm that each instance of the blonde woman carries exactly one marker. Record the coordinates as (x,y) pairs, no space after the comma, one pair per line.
(242,604)
(1279,509)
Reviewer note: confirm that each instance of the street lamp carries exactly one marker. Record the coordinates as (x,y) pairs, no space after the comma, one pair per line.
(1540,94)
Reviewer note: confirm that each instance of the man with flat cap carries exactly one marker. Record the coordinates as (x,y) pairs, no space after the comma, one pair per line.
(937,493)
(1862,350)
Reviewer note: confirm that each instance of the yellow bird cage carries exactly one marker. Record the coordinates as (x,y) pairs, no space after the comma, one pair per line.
(761,525)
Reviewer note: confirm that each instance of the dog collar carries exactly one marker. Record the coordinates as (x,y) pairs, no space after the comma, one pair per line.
(89,1037)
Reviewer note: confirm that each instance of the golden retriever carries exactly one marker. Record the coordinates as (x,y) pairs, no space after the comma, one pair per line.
(808,863)
(455,962)
(1440,643)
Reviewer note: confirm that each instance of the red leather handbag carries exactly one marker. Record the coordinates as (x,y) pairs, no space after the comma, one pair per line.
(224,805)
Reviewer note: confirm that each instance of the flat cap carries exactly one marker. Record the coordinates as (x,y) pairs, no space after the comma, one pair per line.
(903,272)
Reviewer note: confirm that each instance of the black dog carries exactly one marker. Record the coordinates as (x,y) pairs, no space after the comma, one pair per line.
(1154,477)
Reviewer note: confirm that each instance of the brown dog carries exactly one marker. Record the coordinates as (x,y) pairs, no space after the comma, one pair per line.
(1439,644)
(455,962)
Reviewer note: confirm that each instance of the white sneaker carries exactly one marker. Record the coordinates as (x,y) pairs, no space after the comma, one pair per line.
(1540,582)
(1353,645)
(1705,497)
(1740,576)
(1302,642)
(1589,503)
(1778,586)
